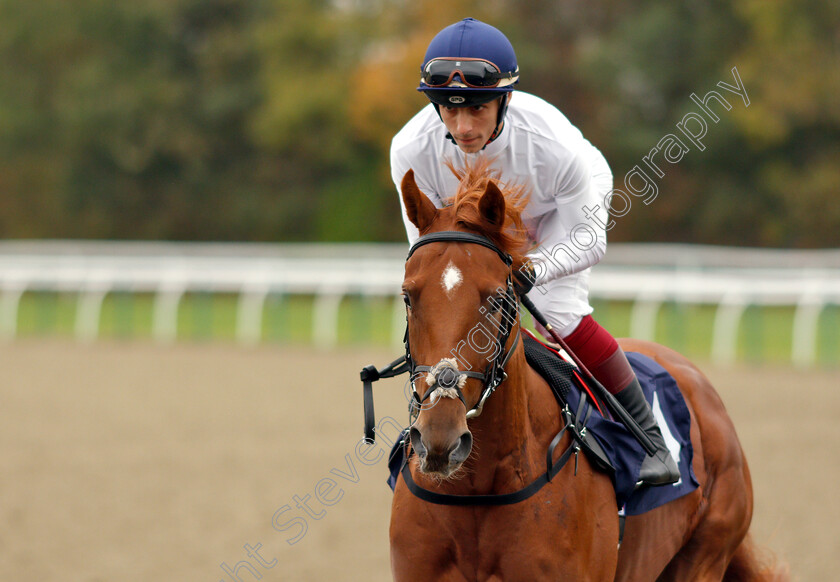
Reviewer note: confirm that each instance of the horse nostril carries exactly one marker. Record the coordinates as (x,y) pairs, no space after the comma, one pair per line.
(417,442)
(461,449)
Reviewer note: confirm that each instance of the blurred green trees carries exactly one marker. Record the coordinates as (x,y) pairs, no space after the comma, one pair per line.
(271,119)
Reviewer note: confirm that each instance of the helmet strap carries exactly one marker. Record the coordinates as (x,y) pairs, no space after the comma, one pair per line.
(500,119)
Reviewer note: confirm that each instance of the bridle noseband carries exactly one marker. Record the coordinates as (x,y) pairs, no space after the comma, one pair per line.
(446,375)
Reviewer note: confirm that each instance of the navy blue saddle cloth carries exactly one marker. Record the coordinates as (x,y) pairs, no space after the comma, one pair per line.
(621,451)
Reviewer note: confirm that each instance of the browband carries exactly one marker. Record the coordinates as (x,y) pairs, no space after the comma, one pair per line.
(456,236)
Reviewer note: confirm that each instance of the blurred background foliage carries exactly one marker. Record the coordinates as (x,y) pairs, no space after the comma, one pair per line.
(270,120)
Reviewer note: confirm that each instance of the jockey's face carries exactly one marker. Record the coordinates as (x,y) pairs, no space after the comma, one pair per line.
(471,127)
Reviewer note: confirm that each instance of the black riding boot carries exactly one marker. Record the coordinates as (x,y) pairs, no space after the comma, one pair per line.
(659,469)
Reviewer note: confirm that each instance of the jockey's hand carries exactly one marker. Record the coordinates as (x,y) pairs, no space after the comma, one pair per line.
(524,278)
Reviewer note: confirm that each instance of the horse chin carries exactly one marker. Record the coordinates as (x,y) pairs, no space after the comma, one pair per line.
(440,470)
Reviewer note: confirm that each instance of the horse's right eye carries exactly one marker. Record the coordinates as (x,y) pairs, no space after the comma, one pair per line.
(407,300)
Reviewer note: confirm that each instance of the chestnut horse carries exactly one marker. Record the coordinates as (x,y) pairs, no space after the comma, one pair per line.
(487,421)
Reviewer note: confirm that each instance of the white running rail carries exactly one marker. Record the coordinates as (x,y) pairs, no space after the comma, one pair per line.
(646,274)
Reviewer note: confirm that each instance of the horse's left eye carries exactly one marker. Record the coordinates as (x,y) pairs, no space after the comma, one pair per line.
(407,300)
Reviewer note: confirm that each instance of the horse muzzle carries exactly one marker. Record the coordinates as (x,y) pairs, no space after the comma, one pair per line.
(440,455)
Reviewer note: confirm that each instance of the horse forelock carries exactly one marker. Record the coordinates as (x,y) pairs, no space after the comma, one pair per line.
(473,179)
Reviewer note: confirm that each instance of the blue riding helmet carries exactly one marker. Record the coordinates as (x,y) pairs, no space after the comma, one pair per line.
(469,63)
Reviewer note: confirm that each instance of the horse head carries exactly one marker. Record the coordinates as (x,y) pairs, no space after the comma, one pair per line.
(461,310)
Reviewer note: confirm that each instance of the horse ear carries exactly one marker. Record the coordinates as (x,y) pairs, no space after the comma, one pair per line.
(492,206)
(419,209)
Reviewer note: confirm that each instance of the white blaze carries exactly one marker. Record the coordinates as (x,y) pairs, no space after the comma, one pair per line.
(451,278)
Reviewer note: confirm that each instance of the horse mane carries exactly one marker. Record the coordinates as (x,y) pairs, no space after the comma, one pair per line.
(512,238)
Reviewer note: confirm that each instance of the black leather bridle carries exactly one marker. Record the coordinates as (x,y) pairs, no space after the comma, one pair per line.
(491,377)
(450,377)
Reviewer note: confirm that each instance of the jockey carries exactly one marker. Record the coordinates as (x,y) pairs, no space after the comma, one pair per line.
(468,74)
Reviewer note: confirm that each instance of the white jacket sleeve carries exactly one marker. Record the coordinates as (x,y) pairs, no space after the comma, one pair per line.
(399,167)
(572,236)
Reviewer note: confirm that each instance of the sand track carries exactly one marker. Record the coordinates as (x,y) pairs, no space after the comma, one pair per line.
(124,462)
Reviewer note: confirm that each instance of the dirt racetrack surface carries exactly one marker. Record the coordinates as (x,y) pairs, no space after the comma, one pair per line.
(133,462)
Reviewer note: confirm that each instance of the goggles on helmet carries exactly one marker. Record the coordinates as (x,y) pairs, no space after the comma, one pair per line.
(475,73)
